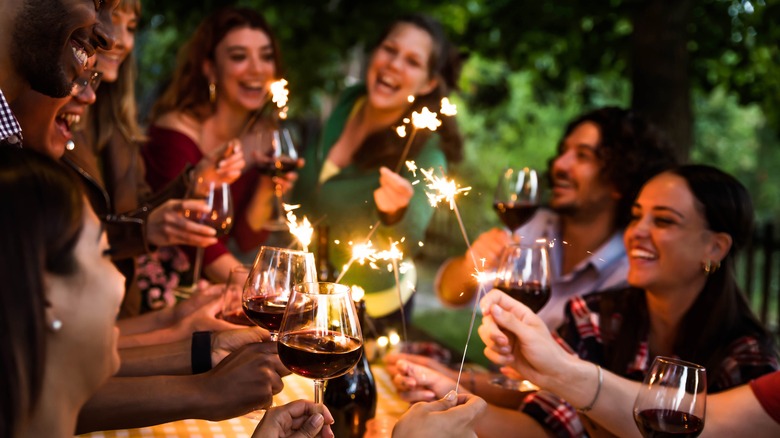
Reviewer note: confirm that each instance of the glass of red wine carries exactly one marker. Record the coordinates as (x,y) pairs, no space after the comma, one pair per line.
(283,158)
(672,400)
(524,274)
(232,308)
(517,196)
(219,201)
(320,336)
(270,283)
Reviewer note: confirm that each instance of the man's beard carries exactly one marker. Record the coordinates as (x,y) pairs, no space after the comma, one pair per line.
(36,47)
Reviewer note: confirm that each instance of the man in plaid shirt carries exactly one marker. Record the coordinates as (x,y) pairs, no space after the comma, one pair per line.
(45,46)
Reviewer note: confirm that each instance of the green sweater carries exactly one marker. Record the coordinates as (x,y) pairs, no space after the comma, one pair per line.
(346,200)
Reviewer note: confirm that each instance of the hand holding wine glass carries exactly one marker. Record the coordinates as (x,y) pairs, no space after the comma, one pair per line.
(524,274)
(218,213)
(232,309)
(270,282)
(283,158)
(320,337)
(672,400)
(517,196)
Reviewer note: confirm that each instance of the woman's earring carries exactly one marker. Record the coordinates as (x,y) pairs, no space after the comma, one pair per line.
(56,325)
(212,92)
(710,267)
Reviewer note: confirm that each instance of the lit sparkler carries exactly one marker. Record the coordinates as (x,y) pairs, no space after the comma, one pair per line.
(447,108)
(301,230)
(279,95)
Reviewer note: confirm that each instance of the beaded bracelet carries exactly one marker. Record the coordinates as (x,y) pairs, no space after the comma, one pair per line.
(598,391)
(200,353)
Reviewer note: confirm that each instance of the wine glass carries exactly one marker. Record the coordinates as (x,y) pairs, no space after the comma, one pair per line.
(219,201)
(517,196)
(524,274)
(320,336)
(270,282)
(672,400)
(283,159)
(232,309)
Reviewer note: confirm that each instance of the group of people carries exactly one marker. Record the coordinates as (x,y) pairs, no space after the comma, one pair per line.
(643,263)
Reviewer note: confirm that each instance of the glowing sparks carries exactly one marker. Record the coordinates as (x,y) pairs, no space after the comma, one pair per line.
(425,119)
(357,293)
(443,189)
(447,108)
(412,167)
(279,95)
(302,230)
(401,131)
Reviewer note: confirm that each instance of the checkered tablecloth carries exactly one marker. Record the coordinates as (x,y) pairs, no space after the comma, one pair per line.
(295,387)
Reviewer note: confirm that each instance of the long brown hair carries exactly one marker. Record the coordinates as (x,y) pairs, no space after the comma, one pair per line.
(188,91)
(385,146)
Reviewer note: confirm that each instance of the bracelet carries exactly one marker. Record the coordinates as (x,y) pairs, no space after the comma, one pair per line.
(598,391)
(200,353)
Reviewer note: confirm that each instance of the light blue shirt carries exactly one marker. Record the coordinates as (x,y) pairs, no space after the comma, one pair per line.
(605,268)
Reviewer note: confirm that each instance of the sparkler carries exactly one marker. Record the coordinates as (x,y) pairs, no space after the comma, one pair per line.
(303,230)
(279,96)
(425,119)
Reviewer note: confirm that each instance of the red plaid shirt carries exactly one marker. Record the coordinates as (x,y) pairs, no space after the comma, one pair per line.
(746,359)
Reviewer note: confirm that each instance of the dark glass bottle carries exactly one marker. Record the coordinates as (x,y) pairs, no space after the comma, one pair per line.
(351,398)
(325,269)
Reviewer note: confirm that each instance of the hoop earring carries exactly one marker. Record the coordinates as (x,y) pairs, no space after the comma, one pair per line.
(212,92)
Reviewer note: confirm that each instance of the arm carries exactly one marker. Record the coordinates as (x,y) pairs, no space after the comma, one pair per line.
(455,284)
(245,380)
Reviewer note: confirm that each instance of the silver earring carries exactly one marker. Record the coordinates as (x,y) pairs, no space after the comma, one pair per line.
(56,325)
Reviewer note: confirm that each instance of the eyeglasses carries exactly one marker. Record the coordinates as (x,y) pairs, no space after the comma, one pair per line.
(89,77)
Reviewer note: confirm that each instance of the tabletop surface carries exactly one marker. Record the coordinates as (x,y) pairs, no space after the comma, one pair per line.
(295,388)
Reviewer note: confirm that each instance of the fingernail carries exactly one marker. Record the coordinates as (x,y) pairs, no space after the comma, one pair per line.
(496,311)
(317,420)
(451,396)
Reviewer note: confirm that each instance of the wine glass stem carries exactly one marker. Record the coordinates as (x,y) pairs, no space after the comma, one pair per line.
(319,391)
(197,266)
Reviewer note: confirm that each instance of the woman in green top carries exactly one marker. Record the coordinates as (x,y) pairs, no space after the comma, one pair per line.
(348,182)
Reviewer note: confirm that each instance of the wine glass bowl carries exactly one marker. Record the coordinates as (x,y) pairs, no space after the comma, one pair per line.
(283,159)
(672,400)
(270,282)
(232,310)
(524,274)
(517,196)
(320,337)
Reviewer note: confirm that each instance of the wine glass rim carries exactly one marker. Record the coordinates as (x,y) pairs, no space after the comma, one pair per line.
(676,361)
(279,249)
(299,288)
(541,242)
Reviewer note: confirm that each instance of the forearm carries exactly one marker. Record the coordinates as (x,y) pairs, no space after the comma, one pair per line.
(259,209)
(165,335)
(219,270)
(171,358)
(501,422)
(146,323)
(132,402)
(456,286)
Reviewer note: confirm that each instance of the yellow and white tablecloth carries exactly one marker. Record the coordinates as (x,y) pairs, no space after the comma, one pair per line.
(295,388)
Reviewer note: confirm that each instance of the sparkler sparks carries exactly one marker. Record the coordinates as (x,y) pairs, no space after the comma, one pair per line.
(425,119)
(301,230)
(443,189)
(279,95)
(447,108)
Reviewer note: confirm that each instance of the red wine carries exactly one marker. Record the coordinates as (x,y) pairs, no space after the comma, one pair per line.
(318,355)
(662,423)
(236,317)
(532,294)
(221,223)
(267,315)
(278,167)
(514,215)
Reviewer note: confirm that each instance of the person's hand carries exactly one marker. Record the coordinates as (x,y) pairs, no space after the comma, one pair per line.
(298,419)
(487,249)
(223,164)
(453,417)
(416,382)
(392,359)
(245,380)
(534,353)
(199,312)
(226,342)
(394,192)
(166,225)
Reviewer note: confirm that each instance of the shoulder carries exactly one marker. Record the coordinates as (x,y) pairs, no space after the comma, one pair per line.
(179,122)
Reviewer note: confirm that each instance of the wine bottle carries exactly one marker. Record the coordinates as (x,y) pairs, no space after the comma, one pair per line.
(351,398)
(325,269)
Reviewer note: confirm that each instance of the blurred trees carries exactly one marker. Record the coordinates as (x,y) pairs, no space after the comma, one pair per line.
(708,71)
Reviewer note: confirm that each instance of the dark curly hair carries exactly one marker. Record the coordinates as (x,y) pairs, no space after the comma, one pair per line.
(631,150)
(385,147)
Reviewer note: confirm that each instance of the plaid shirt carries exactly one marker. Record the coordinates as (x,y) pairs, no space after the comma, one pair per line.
(746,359)
(10,131)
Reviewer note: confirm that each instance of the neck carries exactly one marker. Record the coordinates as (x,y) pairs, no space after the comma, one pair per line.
(59,405)
(585,235)
(666,311)
(373,119)
(225,124)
